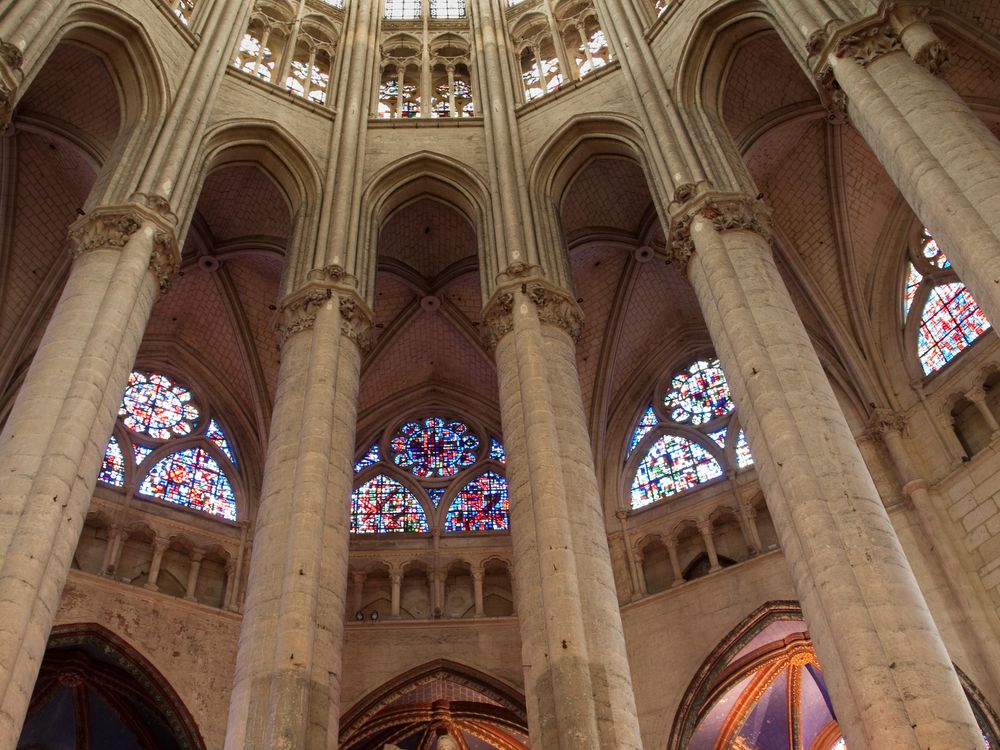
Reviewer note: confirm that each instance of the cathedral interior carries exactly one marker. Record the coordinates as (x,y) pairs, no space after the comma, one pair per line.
(495,374)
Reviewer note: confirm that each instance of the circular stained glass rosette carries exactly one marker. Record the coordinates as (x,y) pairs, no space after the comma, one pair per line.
(434,448)
(155,406)
(699,394)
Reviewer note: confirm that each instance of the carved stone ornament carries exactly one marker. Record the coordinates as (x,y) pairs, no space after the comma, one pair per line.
(556,308)
(882,421)
(498,319)
(10,55)
(114,226)
(868,43)
(298,312)
(728,212)
(355,321)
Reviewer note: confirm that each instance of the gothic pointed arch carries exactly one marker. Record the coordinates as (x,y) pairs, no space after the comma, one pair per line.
(95,688)
(436,698)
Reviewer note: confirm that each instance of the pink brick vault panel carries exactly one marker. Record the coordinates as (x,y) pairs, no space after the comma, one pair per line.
(427,236)
(610,193)
(243,202)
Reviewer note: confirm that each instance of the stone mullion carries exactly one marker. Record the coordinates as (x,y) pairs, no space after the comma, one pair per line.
(873,632)
(610,675)
(54,439)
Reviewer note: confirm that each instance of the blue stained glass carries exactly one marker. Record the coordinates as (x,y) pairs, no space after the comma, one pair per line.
(482,505)
(497,453)
(743,456)
(436,495)
(153,405)
(699,394)
(372,457)
(141,453)
(951,320)
(382,505)
(113,466)
(435,448)
(648,421)
(217,436)
(194,479)
(673,464)
(719,436)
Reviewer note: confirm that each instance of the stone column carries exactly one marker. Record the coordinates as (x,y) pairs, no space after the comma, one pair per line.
(287,686)
(578,684)
(193,572)
(963,580)
(21,25)
(358,592)
(941,156)
(675,563)
(110,560)
(633,560)
(396,579)
(885,662)
(477,591)
(227,595)
(749,514)
(977,396)
(705,529)
(53,443)
(160,546)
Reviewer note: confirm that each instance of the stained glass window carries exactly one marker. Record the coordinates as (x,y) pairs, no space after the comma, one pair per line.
(402,8)
(217,436)
(436,494)
(154,406)
(435,448)
(743,456)
(113,466)
(648,421)
(141,452)
(699,394)
(382,505)
(372,457)
(913,280)
(194,479)
(719,436)
(447,8)
(482,505)
(497,453)
(673,464)
(950,321)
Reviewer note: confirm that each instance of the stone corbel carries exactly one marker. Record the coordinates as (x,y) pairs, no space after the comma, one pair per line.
(728,212)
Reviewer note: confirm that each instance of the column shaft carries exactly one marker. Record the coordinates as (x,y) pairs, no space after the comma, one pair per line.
(288,663)
(579,688)
(193,572)
(884,659)
(940,155)
(53,442)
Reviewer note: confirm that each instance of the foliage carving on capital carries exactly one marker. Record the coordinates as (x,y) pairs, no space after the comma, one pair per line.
(867,44)
(298,312)
(728,212)
(355,321)
(556,308)
(498,319)
(883,421)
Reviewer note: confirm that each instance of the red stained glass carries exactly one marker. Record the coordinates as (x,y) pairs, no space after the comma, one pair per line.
(155,406)
(951,320)
(194,479)
(435,448)
(482,505)
(672,465)
(699,394)
(382,505)
(113,467)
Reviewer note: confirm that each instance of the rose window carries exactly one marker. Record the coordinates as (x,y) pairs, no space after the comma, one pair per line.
(435,448)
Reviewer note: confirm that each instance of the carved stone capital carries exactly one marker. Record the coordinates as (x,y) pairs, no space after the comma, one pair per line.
(113,227)
(10,76)
(554,307)
(925,47)
(867,43)
(883,421)
(728,212)
(298,313)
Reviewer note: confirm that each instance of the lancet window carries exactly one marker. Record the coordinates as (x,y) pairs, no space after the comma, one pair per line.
(183,9)
(435,472)
(168,447)
(938,310)
(690,435)
(426,67)
(295,53)
(556,43)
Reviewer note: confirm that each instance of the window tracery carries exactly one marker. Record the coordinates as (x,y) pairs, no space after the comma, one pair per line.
(949,320)
(174,453)
(441,466)
(426,69)
(556,43)
(687,437)
(296,53)
(183,9)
